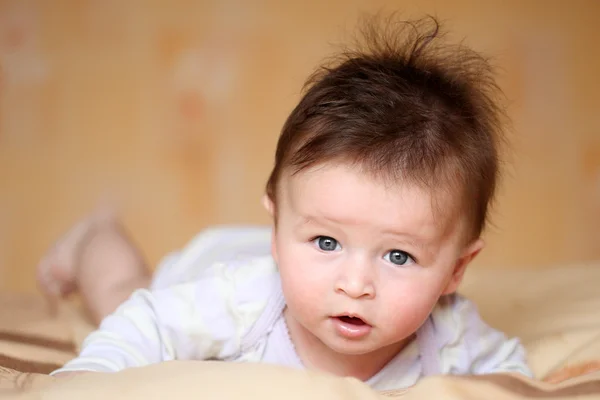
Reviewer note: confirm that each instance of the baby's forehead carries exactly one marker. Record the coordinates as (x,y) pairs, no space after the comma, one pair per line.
(442,194)
(439,204)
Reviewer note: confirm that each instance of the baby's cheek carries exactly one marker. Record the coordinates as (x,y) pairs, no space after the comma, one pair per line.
(299,285)
(409,307)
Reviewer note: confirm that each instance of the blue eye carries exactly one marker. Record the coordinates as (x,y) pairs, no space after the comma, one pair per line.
(327,243)
(399,257)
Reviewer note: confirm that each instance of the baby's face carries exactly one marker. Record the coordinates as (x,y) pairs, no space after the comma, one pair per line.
(362,264)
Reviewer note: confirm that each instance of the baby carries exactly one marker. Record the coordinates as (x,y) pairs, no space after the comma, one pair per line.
(379,194)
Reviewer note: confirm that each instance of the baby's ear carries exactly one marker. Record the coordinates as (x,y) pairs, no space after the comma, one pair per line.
(268,205)
(461,265)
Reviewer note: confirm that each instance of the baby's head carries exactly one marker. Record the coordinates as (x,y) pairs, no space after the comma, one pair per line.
(382,180)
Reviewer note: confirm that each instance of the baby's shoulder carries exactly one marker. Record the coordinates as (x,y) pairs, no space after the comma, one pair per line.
(456,319)
(454,308)
(466,343)
(220,251)
(238,282)
(234,302)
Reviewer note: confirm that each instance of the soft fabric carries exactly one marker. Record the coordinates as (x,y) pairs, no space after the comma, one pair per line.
(555,311)
(183,380)
(230,308)
(32,338)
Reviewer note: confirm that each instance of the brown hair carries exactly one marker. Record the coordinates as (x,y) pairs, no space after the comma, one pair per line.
(402,106)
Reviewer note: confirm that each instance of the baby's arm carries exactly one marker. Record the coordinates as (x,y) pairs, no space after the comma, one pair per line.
(139,332)
(181,322)
(198,320)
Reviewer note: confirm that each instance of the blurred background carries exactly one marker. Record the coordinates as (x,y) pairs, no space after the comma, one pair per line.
(173,108)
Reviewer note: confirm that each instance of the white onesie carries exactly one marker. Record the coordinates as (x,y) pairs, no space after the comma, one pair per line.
(220,298)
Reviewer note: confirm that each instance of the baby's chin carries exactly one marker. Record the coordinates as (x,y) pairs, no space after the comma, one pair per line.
(368,346)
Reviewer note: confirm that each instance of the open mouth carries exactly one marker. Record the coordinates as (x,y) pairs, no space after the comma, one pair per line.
(352,320)
(351,327)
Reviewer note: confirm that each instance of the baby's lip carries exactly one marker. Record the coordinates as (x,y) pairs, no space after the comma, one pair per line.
(352,315)
(351,326)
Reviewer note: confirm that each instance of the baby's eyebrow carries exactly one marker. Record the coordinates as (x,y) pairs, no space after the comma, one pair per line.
(423,245)
(304,222)
(306,219)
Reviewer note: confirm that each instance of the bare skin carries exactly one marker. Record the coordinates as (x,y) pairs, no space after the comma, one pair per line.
(96,259)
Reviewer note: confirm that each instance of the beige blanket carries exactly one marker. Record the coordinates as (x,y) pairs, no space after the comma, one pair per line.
(32,339)
(555,312)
